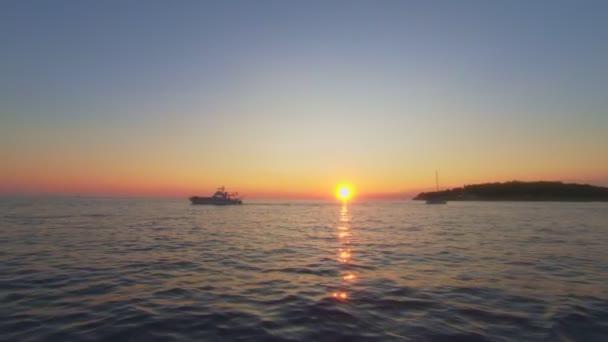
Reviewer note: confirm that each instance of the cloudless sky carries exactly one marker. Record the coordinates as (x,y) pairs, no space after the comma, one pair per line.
(290,98)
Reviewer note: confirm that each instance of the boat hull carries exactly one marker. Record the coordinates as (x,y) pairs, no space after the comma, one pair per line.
(214,201)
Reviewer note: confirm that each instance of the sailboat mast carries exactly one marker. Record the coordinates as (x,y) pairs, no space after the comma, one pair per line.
(437,179)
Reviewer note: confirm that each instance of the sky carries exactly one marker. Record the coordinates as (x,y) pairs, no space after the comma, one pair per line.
(291,98)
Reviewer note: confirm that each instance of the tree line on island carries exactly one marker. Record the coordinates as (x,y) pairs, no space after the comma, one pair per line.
(520,191)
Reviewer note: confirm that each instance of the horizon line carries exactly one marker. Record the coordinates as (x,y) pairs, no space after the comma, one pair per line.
(257,195)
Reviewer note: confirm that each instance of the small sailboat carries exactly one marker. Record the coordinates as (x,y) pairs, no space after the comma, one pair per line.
(436,200)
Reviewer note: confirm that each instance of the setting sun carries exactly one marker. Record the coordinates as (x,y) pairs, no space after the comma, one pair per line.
(344,192)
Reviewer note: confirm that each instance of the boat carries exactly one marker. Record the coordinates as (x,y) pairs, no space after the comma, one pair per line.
(436,200)
(220,197)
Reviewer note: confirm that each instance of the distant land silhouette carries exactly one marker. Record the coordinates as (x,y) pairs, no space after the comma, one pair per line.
(521,191)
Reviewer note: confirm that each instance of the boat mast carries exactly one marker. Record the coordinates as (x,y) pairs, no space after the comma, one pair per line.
(437,179)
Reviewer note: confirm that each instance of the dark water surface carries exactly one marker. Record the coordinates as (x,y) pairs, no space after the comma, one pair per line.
(161,269)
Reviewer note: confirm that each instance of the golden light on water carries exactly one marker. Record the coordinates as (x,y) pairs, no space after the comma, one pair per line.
(345,252)
(344,256)
(340,295)
(348,276)
(344,192)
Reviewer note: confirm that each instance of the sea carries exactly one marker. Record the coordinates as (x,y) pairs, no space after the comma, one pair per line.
(161,269)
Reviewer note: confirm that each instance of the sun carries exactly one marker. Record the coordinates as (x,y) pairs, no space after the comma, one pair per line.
(344,192)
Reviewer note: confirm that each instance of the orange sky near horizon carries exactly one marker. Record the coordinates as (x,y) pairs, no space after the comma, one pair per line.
(165,158)
(94,179)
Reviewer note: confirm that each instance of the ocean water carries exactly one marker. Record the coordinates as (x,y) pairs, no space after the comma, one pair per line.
(161,269)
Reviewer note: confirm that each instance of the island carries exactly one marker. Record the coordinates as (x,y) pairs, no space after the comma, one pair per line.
(521,191)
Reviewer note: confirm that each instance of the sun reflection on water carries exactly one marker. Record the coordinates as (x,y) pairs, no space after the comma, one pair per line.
(344,253)
(340,295)
(349,276)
